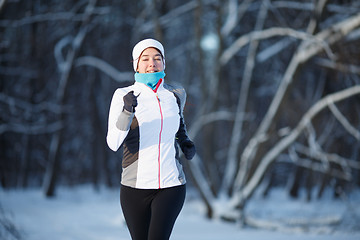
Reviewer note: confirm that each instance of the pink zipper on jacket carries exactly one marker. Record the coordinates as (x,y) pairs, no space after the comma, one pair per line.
(161,129)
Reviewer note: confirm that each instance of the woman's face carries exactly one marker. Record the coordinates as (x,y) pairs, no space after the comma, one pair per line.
(150,61)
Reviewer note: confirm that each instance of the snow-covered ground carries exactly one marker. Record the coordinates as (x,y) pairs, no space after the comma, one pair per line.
(81,213)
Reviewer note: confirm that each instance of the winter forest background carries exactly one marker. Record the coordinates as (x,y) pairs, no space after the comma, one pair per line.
(273,93)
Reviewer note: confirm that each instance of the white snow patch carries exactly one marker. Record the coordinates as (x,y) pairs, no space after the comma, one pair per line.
(82,213)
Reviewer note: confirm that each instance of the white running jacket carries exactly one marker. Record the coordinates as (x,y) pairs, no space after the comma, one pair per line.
(150,155)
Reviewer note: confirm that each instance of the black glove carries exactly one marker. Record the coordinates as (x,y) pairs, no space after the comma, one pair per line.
(188,148)
(130,101)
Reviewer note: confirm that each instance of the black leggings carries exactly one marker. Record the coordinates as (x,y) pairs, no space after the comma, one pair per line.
(150,214)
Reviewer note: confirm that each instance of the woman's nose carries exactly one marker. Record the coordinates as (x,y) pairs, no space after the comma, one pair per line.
(152,62)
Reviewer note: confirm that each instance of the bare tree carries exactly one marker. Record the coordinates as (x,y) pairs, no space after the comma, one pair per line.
(244,173)
(65,64)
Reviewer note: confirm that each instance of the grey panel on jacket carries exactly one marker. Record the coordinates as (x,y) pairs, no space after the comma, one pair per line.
(179,93)
(124,121)
(129,174)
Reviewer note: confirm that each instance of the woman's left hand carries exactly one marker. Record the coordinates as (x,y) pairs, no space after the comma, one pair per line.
(188,148)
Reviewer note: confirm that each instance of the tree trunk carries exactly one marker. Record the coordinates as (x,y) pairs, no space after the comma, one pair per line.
(65,67)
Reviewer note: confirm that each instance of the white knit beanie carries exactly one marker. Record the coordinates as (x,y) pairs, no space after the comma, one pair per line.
(144,44)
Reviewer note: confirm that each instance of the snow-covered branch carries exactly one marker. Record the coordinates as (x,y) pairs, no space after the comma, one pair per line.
(305,51)
(347,68)
(331,157)
(235,13)
(232,17)
(327,36)
(201,181)
(319,167)
(274,49)
(344,122)
(58,52)
(104,67)
(314,145)
(41,18)
(304,6)
(170,16)
(260,35)
(246,190)
(237,132)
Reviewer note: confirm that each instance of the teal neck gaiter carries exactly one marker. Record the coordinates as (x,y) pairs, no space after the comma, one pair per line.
(150,79)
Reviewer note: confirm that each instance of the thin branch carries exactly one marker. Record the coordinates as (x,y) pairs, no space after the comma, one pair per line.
(315,146)
(104,67)
(235,13)
(41,18)
(232,17)
(259,35)
(60,59)
(210,118)
(332,157)
(53,17)
(307,163)
(170,16)
(303,6)
(325,38)
(201,181)
(2,2)
(36,108)
(274,49)
(342,119)
(35,129)
(293,5)
(341,67)
(319,7)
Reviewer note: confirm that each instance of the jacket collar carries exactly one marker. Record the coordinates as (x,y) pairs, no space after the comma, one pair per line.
(159,85)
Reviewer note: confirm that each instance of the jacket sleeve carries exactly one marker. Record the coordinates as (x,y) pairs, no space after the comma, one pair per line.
(119,121)
(181,135)
(180,95)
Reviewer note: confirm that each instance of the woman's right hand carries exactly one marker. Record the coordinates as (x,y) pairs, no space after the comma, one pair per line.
(130,101)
